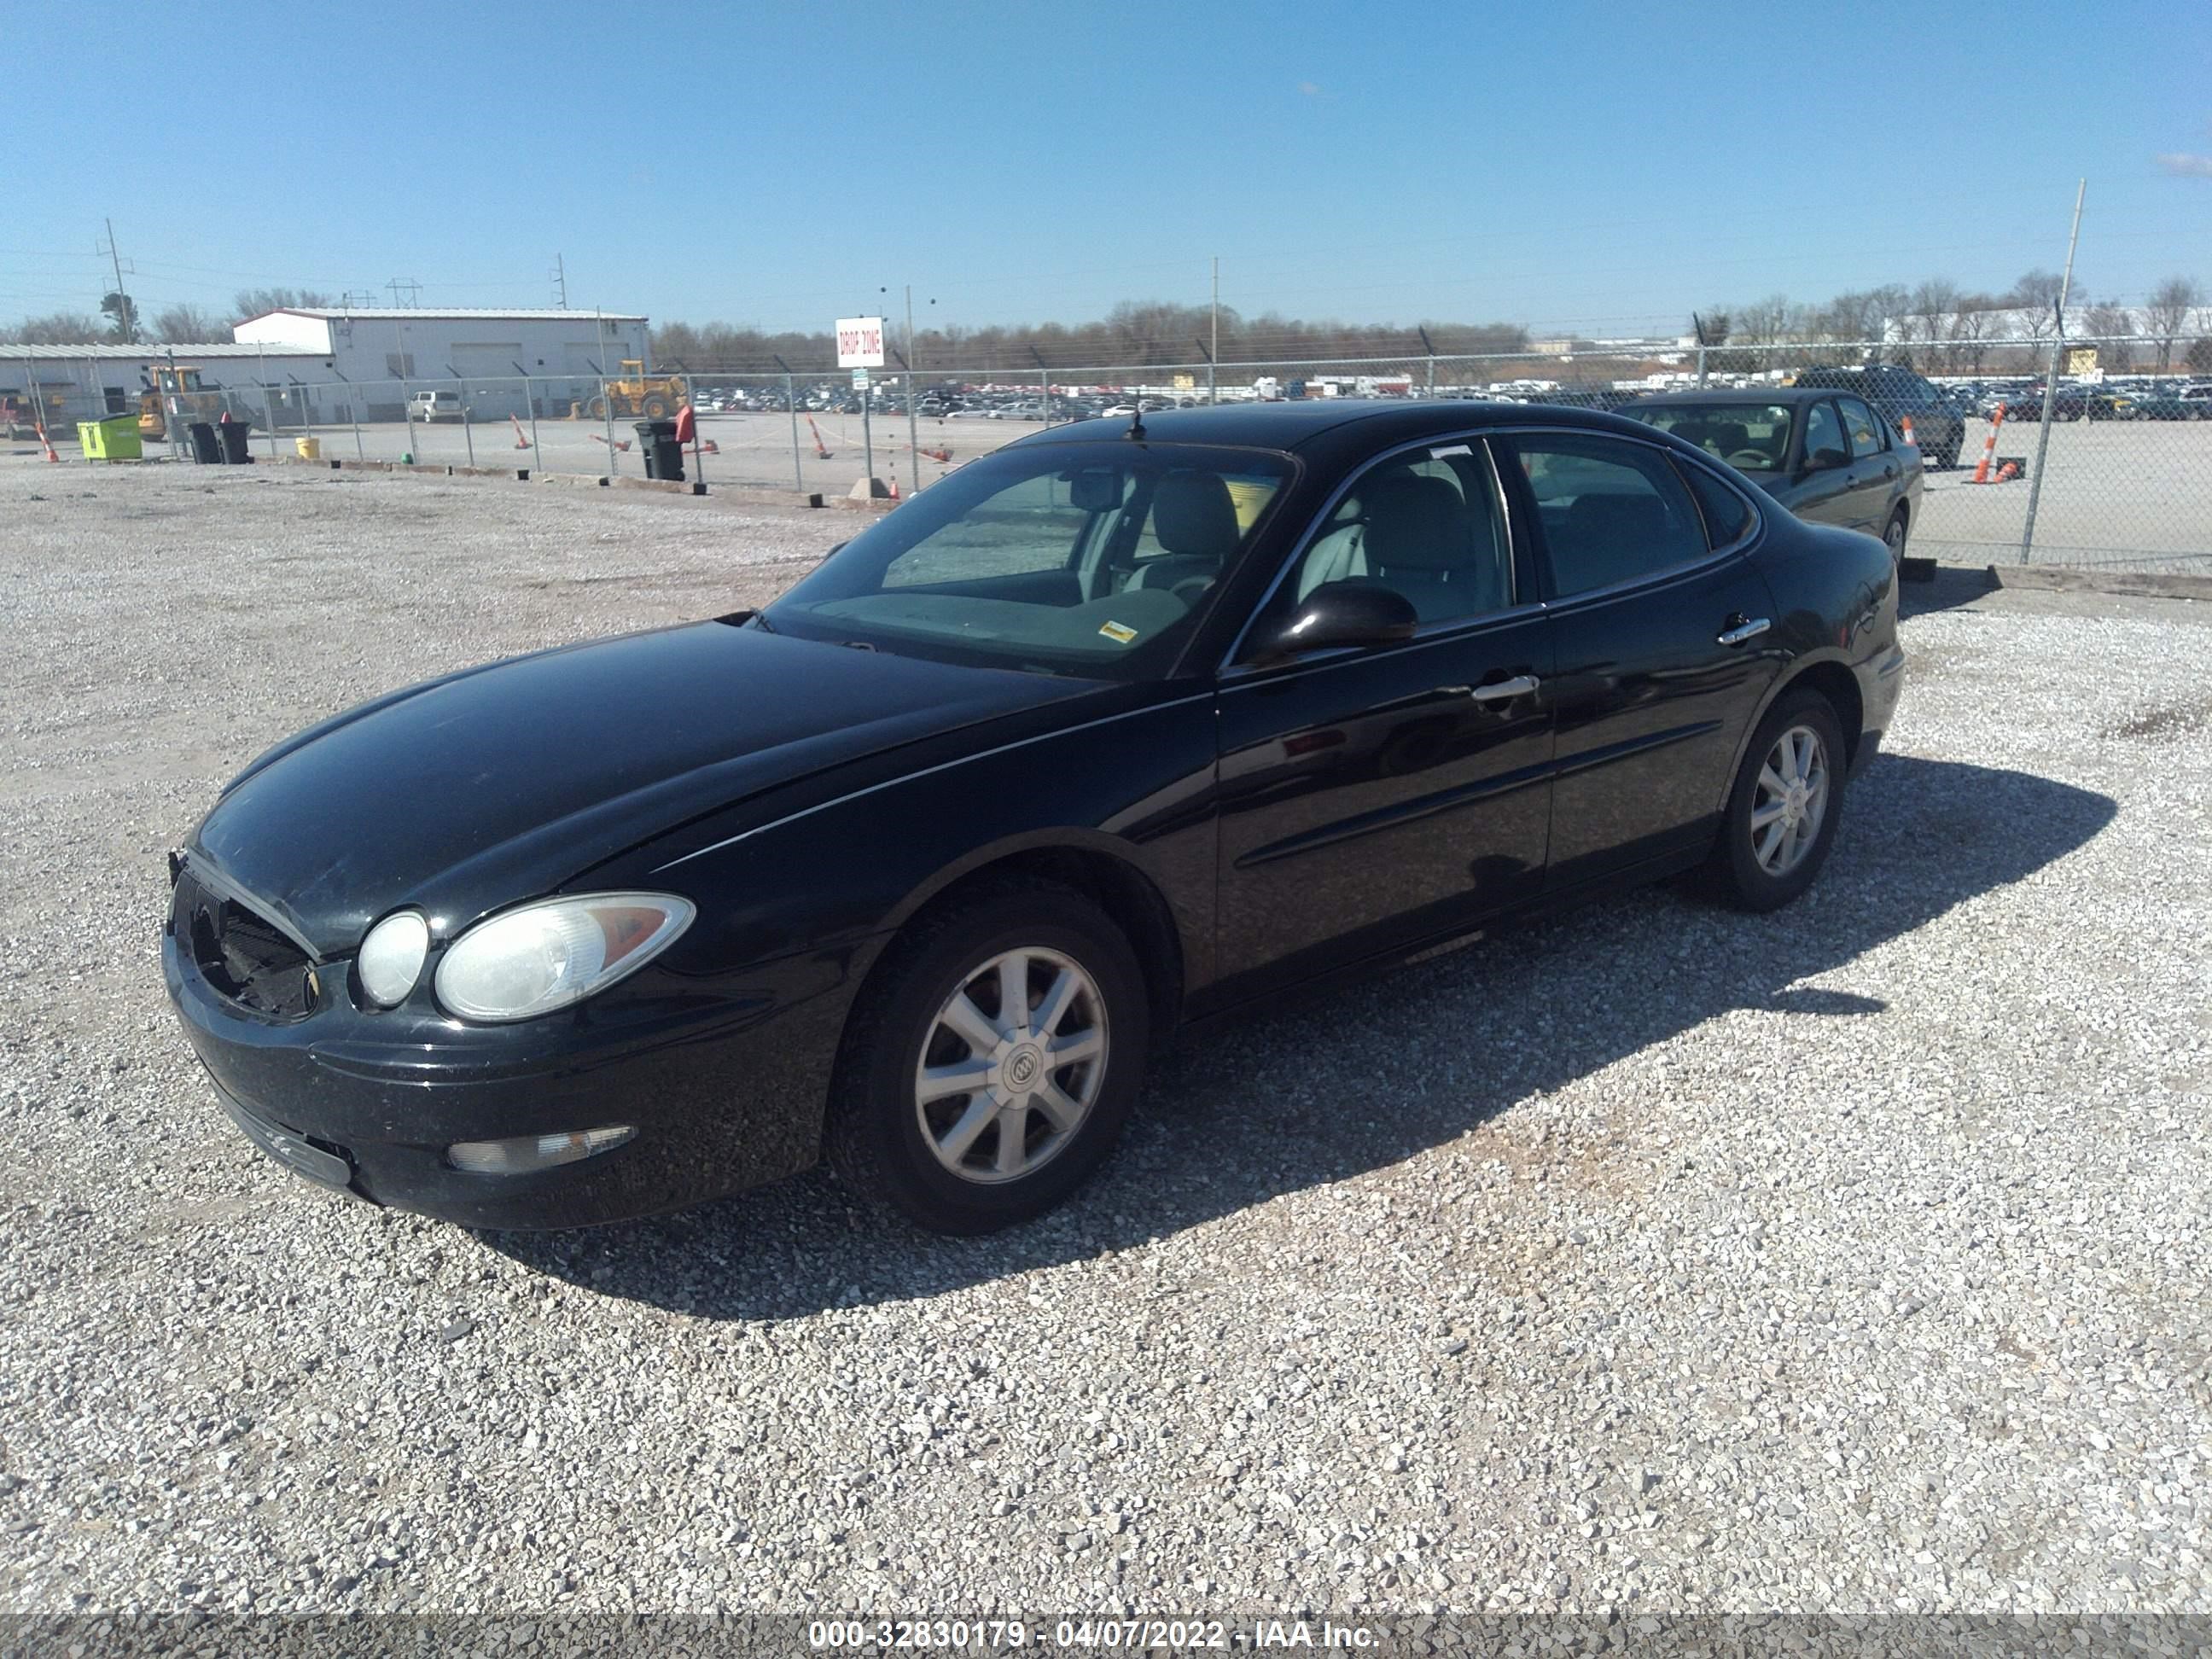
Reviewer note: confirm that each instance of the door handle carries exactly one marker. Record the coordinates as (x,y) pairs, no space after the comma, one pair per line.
(1502,690)
(1889,473)
(1744,630)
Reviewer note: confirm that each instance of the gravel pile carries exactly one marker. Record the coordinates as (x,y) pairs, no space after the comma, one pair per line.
(1655,1259)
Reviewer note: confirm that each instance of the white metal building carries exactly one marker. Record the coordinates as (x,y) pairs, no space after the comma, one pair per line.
(66,384)
(486,353)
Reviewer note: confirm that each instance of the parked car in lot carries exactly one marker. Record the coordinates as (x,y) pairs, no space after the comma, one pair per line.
(1140,736)
(2067,403)
(1825,455)
(430,406)
(1899,394)
(2171,403)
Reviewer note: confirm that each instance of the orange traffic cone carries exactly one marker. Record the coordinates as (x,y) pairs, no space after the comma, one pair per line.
(521,441)
(49,443)
(895,495)
(1906,422)
(1989,446)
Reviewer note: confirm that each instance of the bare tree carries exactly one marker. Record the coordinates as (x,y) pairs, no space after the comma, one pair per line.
(1861,316)
(1935,301)
(2106,321)
(2036,293)
(188,323)
(1973,324)
(256,301)
(58,328)
(2167,314)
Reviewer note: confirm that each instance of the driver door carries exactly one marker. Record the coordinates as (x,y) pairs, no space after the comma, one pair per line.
(1374,799)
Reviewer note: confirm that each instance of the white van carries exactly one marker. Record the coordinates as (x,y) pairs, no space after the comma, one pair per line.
(428,406)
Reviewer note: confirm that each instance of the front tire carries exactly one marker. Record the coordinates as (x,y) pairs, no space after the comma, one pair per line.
(994,1060)
(1784,809)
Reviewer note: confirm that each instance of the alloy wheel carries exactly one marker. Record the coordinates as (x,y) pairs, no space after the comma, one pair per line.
(1012,1064)
(1790,801)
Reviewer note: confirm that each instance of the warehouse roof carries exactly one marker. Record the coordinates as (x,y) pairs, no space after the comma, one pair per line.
(410,314)
(143,353)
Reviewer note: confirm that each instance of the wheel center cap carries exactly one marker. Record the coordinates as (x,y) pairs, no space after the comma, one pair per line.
(1023,1067)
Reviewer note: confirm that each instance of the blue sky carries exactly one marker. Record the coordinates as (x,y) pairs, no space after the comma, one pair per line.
(1605,167)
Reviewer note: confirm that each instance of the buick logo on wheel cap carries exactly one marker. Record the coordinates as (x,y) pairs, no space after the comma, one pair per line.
(1023,1067)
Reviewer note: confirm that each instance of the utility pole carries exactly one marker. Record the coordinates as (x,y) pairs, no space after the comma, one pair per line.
(125,315)
(560,275)
(2050,380)
(1212,380)
(414,292)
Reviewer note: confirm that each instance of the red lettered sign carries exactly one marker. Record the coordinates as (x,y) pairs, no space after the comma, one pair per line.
(859,343)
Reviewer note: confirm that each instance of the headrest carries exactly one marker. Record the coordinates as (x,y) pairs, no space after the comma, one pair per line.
(1193,515)
(1416,523)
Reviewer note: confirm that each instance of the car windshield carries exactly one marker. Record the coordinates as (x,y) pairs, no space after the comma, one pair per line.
(1093,560)
(1750,437)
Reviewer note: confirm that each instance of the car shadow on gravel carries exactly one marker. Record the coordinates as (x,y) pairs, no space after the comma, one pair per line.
(1341,1084)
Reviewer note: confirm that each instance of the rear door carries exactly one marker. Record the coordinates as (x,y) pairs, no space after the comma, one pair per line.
(1875,466)
(1660,633)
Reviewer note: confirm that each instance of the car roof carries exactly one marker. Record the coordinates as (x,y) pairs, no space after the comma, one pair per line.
(1302,424)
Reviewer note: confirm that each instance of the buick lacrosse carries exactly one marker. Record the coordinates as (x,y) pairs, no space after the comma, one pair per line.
(1122,729)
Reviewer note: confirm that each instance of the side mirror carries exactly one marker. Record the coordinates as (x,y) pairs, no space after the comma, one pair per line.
(1337,615)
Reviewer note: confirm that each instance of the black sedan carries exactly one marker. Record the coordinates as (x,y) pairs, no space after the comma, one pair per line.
(1825,455)
(1119,730)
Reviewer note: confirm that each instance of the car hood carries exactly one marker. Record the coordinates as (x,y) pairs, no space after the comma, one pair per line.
(495,785)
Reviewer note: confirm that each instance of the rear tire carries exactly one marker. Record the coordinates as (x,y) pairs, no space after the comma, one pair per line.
(1893,536)
(973,1160)
(1784,809)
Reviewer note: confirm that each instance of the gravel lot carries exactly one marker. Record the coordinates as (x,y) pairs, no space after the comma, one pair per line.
(1656,1258)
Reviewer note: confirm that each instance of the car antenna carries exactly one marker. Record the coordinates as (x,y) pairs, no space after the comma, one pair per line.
(1136,432)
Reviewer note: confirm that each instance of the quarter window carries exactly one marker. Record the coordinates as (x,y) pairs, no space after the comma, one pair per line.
(1727,516)
(1611,512)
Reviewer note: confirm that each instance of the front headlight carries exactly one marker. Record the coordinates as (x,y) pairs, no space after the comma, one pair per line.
(546,956)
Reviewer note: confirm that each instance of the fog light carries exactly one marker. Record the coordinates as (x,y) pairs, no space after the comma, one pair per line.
(528,1153)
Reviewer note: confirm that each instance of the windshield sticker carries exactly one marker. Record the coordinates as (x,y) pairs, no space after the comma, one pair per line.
(1117,633)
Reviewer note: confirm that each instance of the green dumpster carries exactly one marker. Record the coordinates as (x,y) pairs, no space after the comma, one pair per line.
(114,439)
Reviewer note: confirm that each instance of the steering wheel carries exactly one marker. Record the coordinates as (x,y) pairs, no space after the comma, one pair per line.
(1749,460)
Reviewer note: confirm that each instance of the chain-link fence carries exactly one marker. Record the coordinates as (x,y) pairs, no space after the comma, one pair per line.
(2109,478)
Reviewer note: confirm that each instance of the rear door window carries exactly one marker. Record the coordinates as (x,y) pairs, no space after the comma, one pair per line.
(1823,430)
(1863,426)
(1611,512)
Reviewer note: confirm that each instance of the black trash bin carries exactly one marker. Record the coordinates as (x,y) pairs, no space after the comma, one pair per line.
(663,456)
(207,448)
(233,442)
